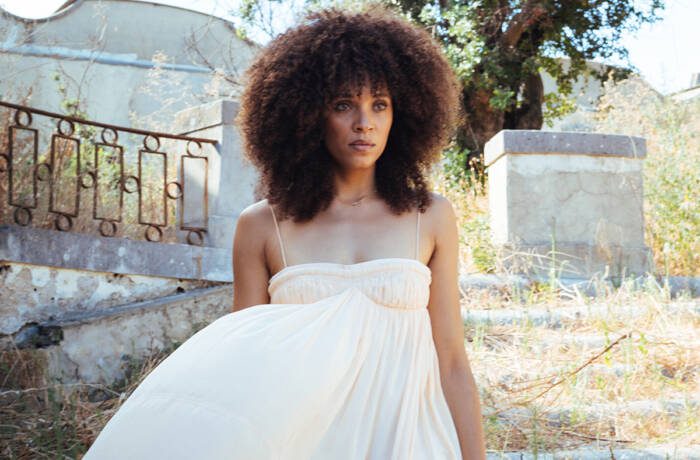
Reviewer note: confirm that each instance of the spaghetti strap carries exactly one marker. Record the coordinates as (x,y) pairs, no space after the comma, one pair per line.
(417,234)
(279,236)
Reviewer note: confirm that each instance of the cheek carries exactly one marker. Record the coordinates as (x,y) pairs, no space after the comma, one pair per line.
(387,124)
(334,130)
(334,138)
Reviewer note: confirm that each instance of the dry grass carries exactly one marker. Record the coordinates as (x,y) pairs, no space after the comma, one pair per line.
(671,169)
(54,421)
(615,377)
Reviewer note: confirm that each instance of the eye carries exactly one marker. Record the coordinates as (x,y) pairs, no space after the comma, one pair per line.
(341,106)
(381,105)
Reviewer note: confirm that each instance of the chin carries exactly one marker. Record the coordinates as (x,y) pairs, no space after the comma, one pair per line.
(358,163)
(365,162)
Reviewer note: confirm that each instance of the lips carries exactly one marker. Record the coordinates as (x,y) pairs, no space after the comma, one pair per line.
(361,146)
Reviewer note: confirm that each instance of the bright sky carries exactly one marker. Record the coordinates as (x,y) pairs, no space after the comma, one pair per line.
(666,53)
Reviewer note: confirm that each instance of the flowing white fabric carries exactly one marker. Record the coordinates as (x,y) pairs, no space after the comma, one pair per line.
(340,365)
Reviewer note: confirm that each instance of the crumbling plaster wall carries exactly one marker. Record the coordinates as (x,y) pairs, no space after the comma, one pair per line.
(38,294)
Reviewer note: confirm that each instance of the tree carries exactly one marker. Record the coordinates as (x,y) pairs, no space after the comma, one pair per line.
(498,48)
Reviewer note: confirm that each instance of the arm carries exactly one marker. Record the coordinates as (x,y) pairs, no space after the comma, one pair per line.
(250,273)
(456,377)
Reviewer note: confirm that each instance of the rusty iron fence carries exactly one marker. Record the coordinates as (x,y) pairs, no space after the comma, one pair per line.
(47,183)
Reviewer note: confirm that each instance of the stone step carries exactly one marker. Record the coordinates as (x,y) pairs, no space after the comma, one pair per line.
(41,295)
(560,417)
(559,316)
(528,374)
(65,349)
(568,287)
(603,452)
(580,341)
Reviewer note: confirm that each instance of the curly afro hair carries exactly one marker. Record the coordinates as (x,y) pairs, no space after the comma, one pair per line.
(298,74)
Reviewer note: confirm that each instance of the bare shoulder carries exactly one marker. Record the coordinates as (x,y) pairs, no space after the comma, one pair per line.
(441,224)
(258,211)
(253,224)
(250,268)
(440,212)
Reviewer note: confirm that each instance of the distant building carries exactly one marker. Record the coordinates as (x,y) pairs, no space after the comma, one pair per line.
(691,92)
(123,59)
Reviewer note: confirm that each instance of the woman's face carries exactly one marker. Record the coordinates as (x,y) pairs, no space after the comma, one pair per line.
(357,127)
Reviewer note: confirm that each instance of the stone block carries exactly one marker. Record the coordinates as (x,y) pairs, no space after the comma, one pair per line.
(568,204)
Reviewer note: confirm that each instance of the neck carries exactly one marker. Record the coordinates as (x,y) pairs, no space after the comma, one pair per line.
(354,185)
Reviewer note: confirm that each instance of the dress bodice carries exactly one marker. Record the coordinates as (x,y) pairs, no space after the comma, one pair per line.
(400,283)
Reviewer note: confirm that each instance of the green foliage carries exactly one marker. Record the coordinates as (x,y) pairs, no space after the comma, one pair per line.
(557,105)
(478,253)
(463,44)
(455,171)
(476,234)
(506,41)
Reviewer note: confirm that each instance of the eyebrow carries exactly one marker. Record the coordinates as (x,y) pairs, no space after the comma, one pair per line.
(376,94)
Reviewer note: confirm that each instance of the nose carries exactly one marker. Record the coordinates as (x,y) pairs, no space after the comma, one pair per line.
(363,122)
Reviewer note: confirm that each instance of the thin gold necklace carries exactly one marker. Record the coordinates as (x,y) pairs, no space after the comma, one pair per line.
(358,201)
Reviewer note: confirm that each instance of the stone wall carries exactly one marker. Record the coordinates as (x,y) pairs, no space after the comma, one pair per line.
(81,306)
(41,294)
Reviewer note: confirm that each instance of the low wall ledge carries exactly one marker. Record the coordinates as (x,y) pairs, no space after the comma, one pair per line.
(510,141)
(113,255)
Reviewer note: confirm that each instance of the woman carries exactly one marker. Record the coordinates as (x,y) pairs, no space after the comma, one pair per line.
(345,339)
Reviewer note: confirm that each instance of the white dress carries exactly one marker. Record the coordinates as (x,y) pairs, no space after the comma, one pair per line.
(340,365)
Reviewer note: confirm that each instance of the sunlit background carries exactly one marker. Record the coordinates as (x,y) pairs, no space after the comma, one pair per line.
(665,53)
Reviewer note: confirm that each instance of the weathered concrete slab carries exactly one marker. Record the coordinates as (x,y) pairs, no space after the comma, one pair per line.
(603,452)
(572,143)
(677,286)
(114,255)
(556,317)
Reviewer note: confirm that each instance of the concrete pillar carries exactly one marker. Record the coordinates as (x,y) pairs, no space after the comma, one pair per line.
(231,178)
(568,204)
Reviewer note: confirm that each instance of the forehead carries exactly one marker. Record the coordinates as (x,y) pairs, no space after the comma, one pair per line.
(358,93)
(354,85)
(356,90)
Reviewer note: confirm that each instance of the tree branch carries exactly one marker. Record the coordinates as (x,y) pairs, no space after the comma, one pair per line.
(531,13)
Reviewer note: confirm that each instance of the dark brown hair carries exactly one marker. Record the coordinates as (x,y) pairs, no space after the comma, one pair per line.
(302,70)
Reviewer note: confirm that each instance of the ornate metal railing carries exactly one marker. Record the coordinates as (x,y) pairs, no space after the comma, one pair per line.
(80,155)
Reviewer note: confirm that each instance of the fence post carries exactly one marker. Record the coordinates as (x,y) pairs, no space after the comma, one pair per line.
(231,178)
